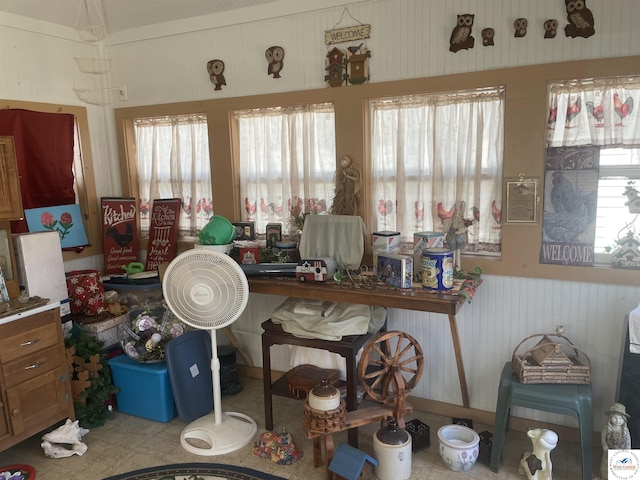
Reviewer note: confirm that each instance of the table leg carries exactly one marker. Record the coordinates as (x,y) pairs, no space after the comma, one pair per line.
(266,381)
(328,454)
(459,361)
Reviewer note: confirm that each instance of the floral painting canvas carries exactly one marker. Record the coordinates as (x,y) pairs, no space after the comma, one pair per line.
(65,219)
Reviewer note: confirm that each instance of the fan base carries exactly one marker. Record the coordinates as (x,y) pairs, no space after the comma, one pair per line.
(206,437)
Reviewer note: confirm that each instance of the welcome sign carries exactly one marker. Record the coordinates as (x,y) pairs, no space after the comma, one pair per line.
(347,34)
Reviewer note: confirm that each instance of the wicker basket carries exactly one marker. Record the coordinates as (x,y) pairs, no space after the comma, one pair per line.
(97,96)
(93,65)
(106,330)
(552,359)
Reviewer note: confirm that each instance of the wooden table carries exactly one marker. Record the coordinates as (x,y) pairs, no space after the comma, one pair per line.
(416,299)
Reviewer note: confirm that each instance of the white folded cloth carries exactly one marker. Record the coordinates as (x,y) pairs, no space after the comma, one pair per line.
(634,330)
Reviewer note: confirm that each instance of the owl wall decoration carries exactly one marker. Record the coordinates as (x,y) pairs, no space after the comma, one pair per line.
(487,37)
(461,38)
(580,19)
(275,56)
(215,69)
(520,26)
(550,28)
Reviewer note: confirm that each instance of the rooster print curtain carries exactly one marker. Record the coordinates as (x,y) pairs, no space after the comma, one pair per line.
(601,113)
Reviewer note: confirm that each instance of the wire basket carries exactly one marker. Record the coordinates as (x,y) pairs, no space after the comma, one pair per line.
(93,65)
(92,33)
(97,96)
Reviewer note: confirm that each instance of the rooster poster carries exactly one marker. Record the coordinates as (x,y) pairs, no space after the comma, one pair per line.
(119,232)
(163,232)
(570,202)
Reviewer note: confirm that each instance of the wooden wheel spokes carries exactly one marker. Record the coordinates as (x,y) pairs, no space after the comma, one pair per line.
(390,366)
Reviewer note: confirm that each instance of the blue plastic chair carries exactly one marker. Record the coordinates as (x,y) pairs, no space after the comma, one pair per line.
(566,399)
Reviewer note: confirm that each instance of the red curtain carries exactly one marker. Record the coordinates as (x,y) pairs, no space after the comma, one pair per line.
(44,151)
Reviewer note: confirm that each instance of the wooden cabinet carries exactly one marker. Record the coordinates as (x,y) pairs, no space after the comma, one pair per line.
(35,388)
(10,197)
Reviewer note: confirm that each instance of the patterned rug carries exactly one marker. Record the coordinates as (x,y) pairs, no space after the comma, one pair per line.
(195,471)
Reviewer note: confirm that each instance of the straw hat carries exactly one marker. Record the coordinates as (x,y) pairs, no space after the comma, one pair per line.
(617,408)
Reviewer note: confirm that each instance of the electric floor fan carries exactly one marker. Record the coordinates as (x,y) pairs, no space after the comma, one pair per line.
(208,290)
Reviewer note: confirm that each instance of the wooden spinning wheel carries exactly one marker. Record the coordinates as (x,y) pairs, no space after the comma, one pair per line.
(390,367)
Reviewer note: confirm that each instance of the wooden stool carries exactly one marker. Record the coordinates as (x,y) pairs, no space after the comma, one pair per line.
(348,348)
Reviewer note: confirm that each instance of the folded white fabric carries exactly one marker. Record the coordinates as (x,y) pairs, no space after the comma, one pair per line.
(634,330)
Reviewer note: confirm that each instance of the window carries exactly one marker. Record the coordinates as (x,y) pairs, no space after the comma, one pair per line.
(619,168)
(287,163)
(600,113)
(172,158)
(436,156)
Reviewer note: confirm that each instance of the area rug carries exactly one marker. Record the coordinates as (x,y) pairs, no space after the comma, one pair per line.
(195,471)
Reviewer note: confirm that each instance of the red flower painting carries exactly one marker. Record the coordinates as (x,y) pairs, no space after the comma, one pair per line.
(62,226)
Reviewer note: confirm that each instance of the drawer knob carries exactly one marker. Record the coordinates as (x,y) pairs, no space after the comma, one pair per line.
(15,411)
(29,342)
(34,365)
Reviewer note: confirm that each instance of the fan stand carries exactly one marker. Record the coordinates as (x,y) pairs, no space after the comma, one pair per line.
(217,433)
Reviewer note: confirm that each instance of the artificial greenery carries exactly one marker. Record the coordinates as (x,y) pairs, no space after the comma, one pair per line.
(92,410)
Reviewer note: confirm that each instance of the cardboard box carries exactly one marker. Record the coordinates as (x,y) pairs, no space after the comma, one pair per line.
(422,240)
(385,241)
(392,269)
(145,390)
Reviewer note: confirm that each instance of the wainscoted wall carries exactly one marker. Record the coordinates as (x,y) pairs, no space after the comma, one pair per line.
(504,311)
(410,39)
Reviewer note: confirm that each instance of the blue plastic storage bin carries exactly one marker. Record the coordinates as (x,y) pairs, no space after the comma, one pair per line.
(189,367)
(145,390)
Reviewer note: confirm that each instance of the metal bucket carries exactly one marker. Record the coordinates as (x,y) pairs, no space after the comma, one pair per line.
(437,269)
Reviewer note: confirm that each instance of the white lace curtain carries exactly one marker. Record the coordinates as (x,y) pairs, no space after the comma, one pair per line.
(173,162)
(433,155)
(287,162)
(600,112)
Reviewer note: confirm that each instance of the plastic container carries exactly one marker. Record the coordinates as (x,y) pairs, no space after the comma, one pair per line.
(145,390)
(134,294)
(189,367)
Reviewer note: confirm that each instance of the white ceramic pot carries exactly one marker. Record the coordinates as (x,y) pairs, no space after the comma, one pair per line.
(458,447)
(324,397)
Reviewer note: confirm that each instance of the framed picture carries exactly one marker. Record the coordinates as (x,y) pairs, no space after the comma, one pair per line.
(522,200)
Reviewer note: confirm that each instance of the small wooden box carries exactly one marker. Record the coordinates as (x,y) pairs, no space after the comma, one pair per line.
(553,359)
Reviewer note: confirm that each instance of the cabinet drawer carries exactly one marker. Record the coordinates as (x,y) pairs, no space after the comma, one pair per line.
(31,366)
(28,341)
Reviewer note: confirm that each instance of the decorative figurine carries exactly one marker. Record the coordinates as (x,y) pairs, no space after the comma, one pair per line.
(461,35)
(537,464)
(615,435)
(215,69)
(520,26)
(580,19)
(550,28)
(275,56)
(487,37)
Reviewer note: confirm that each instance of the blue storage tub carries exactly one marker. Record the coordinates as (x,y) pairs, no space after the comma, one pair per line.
(134,294)
(189,366)
(145,390)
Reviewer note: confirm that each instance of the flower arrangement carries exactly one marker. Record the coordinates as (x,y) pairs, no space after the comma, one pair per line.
(146,331)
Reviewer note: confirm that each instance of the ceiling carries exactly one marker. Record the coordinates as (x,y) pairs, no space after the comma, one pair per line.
(118,15)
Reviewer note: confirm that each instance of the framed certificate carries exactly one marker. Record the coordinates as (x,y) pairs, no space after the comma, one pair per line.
(522,200)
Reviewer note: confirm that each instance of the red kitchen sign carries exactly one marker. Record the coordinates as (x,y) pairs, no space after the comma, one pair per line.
(163,232)
(119,233)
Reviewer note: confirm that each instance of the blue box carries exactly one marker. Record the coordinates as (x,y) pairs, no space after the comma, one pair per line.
(392,269)
(145,390)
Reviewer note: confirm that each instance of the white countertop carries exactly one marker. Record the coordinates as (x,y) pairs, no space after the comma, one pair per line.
(27,313)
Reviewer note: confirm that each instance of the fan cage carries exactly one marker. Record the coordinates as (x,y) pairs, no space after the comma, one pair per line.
(97,96)
(93,65)
(214,271)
